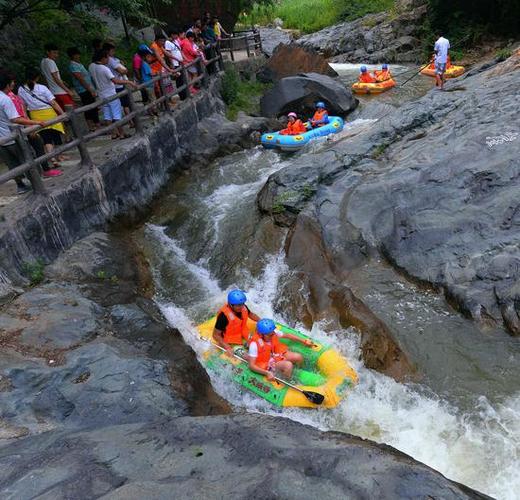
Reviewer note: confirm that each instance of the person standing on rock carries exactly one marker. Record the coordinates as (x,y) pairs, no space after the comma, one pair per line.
(321,116)
(231,326)
(441,50)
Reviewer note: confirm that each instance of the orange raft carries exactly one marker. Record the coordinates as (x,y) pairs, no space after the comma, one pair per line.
(373,88)
(451,71)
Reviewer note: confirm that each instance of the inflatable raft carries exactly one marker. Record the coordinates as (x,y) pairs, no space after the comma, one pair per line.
(273,140)
(373,88)
(325,371)
(451,72)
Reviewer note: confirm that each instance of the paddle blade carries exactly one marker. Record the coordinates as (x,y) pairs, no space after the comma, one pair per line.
(314,397)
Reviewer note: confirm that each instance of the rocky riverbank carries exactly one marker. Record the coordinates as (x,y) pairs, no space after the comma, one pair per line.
(432,189)
(393,36)
(100,398)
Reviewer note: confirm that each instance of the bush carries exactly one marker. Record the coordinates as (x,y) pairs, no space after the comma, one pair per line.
(34,271)
(503,54)
(230,84)
(312,15)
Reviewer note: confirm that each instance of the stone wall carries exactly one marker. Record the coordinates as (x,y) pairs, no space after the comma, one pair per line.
(42,227)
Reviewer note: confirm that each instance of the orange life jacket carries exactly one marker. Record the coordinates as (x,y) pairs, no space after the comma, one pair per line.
(294,128)
(236,330)
(319,115)
(267,350)
(448,62)
(382,75)
(366,78)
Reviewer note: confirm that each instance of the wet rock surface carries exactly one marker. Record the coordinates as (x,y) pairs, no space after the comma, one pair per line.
(300,93)
(290,60)
(375,38)
(432,188)
(199,458)
(272,38)
(90,349)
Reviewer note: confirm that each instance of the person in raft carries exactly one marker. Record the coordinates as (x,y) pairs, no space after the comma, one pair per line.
(294,125)
(383,74)
(365,76)
(321,116)
(231,325)
(268,356)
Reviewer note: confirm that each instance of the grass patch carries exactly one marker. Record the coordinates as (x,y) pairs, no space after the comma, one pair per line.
(34,271)
(503,54)
(241,95)
(311,15)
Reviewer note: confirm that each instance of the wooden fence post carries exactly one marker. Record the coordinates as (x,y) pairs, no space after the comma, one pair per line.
(78,131)
(34,173)
(138,121)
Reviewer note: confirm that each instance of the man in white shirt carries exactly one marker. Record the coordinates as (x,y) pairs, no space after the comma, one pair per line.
(51,73)
(106,82)
(10,152)
(173,51)
(441,48)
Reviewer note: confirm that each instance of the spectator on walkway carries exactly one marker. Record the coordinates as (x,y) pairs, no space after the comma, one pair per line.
(146,77)
(160,66)
(106,82)
(84,86)
(174,49)
(119,71)
(218,29)
(35,141)
(210,48)
(137,62)
(51,73)
(42,105)
(10,152)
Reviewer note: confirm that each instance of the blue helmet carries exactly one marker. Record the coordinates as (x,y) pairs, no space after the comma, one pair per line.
(236,297)
(363,69)
(385,66)
(265,326)
(320,104)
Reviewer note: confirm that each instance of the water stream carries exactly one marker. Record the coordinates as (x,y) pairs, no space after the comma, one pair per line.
(206,236)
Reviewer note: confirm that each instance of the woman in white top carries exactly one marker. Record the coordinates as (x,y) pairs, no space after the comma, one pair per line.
(41,105)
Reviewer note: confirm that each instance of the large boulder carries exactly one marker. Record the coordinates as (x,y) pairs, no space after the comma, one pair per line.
(235,456)
(374,38)
(300,93)
(272,38)
(290,60)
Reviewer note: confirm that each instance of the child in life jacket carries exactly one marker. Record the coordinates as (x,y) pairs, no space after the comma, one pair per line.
(321,116)
(383,74)
(268,356)
(294,125)
(365,76)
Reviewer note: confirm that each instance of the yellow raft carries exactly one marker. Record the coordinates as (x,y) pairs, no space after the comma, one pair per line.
(373,88)
(451,72)
(325,371)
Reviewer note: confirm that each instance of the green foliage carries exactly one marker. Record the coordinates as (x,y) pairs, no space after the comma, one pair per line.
(34,271)
(470,19)
(241,95)
(354,9)
(503,54)
(280,200)
(230,84)
(311,15)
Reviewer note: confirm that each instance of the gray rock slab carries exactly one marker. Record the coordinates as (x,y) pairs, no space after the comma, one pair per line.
(300,93)
(237,456)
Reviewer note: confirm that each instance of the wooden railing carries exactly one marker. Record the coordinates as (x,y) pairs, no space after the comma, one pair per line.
(77,124)
(248,40)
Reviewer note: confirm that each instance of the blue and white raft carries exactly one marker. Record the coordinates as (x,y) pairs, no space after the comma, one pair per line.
(273,140)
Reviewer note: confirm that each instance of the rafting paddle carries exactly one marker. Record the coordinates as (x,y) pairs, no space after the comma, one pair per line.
(313,397)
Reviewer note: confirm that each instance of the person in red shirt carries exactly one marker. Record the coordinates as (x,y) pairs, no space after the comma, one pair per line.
(294,125)
(365,76)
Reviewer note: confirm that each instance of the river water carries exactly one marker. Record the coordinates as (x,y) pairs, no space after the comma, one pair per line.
(206,236)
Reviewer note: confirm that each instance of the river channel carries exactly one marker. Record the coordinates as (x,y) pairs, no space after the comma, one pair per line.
(205,235)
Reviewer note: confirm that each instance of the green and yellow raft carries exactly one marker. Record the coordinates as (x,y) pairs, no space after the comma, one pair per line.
(325,371)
